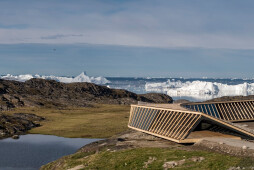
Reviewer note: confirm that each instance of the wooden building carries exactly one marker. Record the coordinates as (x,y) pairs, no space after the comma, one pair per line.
(188,123)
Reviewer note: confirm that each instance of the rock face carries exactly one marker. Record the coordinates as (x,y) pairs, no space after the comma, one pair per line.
(50,93)
(17,124)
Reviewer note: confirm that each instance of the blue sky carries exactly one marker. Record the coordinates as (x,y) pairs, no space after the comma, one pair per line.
(172,38)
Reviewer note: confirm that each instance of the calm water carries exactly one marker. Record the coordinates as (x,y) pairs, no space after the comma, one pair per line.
(30,152)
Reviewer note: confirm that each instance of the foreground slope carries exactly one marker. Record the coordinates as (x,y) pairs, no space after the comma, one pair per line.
(135,150)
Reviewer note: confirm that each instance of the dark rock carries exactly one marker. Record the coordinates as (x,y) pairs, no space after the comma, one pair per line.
(29,116)
(12,125)
(50,93)
(120,139)
(15,137)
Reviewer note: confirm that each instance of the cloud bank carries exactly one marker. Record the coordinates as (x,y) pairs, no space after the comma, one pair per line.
(167,24)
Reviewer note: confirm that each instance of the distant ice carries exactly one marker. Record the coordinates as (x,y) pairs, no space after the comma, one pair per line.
(80,78)
(200,89)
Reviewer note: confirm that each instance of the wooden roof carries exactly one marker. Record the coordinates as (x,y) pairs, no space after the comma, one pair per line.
(233,111)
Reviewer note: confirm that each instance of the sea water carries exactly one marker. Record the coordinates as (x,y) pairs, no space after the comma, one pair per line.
(32,151)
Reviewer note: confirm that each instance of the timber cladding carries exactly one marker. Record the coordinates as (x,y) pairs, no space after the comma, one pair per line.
(171,124)
(177,125)
(231,110)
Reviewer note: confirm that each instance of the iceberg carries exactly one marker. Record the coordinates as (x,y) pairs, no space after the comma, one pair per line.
(80,78)
(200,89)
(21,78)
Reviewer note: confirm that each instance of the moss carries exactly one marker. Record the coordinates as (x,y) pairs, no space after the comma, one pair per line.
(136,158)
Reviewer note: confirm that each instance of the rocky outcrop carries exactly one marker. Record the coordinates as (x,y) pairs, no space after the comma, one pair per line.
(50,93)
(17,124)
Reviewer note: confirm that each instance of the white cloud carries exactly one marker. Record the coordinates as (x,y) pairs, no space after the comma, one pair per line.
(134,23)
(60,36)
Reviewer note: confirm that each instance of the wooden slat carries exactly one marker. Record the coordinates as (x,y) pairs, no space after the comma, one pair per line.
(209,110)
(142,116)
(227,112)
(222,112)
(196,108)
(163,108)
(148,114)
(160,121)
(242,111)
(138,116)
(245,109)
(251,103)
(216,110)
(158,128)
(180,132)
(196,118)
(171,123)
(201,108)
(235,111)
(251,109)
(219,111)
(204,106)
(135,113)
(180,126)
(238,110)
(131,114)
(164,123)
(155,121)
(170,130)
(230,113)
(151,118)
(189,123)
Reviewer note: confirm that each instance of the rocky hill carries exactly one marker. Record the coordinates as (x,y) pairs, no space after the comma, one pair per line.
(50,93)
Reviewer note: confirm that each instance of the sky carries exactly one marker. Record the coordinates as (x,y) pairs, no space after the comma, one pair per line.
(131,38)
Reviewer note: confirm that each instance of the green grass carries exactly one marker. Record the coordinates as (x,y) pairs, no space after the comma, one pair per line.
(135,159)
(101,121)
(104,121)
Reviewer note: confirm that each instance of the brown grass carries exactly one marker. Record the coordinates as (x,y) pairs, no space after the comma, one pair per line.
(101,121)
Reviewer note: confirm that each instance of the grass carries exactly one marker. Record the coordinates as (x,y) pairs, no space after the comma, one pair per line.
(104,121)
(135,159)
(101,121)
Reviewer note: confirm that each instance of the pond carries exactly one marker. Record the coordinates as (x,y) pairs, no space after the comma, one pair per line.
(32,151)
